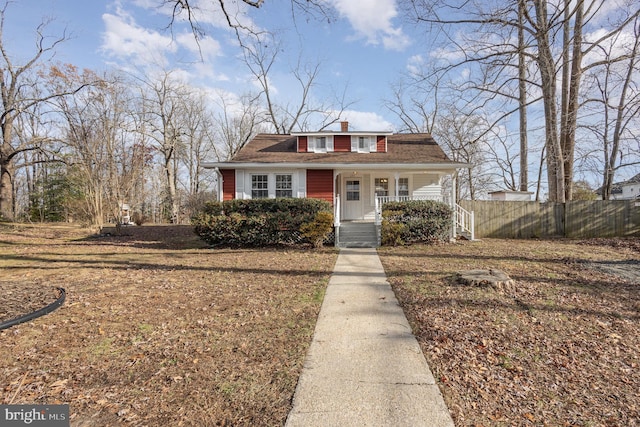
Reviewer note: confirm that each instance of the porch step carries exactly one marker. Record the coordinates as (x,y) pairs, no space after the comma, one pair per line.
(358,235)
(460,232)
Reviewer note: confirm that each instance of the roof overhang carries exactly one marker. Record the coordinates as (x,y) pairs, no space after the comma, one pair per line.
(339,166)
(359,133)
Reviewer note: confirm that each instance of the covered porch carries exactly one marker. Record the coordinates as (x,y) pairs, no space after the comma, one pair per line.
(359,196)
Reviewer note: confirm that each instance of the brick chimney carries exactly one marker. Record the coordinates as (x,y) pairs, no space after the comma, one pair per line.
(344,126)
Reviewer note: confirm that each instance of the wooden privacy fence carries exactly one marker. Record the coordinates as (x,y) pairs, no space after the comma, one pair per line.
(576,219)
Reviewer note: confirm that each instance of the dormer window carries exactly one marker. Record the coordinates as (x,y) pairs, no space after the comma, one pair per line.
(321,144)
(363,143)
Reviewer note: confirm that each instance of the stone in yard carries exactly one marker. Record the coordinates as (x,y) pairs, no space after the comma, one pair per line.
(494,279)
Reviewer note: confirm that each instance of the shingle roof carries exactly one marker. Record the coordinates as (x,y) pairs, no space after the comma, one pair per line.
(415,148)
(616,187)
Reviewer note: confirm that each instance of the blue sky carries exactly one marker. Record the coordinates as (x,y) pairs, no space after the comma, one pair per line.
(362,50)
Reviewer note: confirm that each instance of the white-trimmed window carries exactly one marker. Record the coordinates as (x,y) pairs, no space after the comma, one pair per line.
(321,144)
(403,187)
(363,144)
(284,185)
(353,190)
(382,187)
(259,186)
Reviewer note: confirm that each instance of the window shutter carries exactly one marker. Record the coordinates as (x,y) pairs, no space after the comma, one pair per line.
(354,144)
(373,146)
(329,144)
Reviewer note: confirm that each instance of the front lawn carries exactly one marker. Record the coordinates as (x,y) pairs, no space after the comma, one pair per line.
(563,349)
(157,329)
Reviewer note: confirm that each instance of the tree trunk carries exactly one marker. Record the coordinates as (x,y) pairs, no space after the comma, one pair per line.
(571,87)
(7,211)
(546,63)
(522,99)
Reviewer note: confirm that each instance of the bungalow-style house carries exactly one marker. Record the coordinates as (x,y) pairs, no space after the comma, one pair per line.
(355,171)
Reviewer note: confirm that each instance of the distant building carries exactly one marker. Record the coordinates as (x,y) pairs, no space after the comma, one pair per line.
(511,196)
(625,190)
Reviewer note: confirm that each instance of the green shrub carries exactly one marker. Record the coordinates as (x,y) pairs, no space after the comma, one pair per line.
(318,230)
(415,221)
(392,233)
(258,222)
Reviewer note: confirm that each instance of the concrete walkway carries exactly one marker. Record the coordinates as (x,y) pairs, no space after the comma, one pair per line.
(364,366)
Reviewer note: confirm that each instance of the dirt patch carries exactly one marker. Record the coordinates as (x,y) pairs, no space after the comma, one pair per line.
(157,329)
(561,349)
(628,269)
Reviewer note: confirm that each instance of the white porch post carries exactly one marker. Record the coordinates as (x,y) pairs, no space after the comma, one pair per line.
(220,184)
(453,204)
(336,200)
(454,183)
(396,191)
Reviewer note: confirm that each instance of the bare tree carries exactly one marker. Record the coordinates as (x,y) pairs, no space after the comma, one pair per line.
(537,24)
(198,139)
(615,98)
(164,101)
(228,10)
(463,137)
(416,103)
(522,98)
(98,144)
(237,121)
(19,94)
(302,111)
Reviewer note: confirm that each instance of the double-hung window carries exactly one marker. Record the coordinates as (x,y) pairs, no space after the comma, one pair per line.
(321,144)
(284,186)
(259,186)
(382,186)
(363,143)
(403,187)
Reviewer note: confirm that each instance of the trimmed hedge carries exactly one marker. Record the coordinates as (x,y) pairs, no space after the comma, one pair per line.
(257,222)
(415,221)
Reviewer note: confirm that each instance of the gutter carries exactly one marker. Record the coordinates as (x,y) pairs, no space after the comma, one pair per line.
(337,166)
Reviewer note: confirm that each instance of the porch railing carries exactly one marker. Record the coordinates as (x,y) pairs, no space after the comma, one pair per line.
(464,221)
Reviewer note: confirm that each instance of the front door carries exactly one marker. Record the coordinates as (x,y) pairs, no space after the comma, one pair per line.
(352,199)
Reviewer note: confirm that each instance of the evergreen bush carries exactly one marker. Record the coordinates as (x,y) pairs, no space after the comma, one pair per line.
(319,229)
(257,222)
(415,221)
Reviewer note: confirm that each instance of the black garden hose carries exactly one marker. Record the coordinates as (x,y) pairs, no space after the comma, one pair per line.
(34,315)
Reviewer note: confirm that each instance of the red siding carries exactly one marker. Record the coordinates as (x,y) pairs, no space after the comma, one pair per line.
(381,144)
(320,184)
(342,143)
(302,144)
(228,184)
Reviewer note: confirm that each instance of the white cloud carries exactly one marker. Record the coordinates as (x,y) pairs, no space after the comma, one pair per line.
(365,121)
(415,64)
(123,39)
(373,20)
(207,47)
